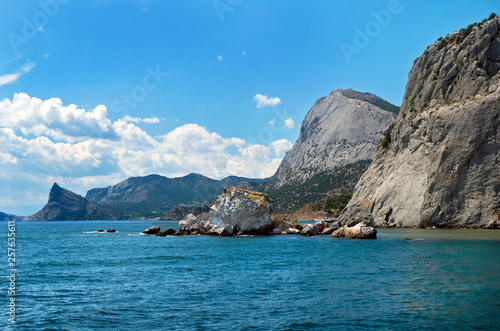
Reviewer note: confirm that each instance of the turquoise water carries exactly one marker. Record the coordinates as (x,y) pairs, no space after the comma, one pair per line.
(70,278)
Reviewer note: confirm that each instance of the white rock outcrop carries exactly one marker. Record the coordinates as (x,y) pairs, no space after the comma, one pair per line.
(248,212)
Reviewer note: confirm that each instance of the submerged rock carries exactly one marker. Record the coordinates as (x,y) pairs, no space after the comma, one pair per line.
(362,230)
(152,230)
(111,230)
(246,211)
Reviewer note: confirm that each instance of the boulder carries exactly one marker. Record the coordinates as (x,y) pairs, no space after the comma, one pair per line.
(276,231)
(361,230)
(167,232)
(320,226)
(329,230)
(152,230)
(191,225)
(292,231)
(246,211)
(281,224)
(308,230)
(111,230)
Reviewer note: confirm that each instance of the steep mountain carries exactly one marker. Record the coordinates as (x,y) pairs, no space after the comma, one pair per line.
(337,142)
(66,205)
(155,195)
(340,129)
(438,165)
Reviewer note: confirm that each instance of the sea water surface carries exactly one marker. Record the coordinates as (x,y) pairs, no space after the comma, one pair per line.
(71,278)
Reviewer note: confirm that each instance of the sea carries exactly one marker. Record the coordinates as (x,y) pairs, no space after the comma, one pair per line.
(67,276)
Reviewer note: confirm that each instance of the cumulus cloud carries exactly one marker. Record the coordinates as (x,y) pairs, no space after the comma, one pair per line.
(11,78)
(52,118)
(289,123)
(43,141)
(264,101)
(281,146)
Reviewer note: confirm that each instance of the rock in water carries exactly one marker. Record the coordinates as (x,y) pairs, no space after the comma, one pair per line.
(308,230)
(360,231)
(152,230)
(292,231)
(246,211)
(438,164)
(191,225)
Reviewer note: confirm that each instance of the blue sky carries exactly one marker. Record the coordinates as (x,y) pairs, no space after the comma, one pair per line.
(92,92)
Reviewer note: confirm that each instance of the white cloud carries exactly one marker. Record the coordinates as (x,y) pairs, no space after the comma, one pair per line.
(272,122)
(42,141)
(11,78)
(244,53)
(149,120)
(264,101)
(289,123)
(50,117)
(281,146)
(219,58)
(41,29)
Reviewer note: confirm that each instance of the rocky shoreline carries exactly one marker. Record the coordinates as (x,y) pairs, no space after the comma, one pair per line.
(242,212)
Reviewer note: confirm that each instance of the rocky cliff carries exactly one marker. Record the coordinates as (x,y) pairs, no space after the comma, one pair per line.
(66,205)
(438,165)
(340,129)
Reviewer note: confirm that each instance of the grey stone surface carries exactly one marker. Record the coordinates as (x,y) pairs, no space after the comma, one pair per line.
(152,230)
(246,211)
(362,230)
(441,167)
(339,129)
(191,225)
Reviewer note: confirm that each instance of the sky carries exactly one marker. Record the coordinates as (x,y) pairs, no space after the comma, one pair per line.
(93,92)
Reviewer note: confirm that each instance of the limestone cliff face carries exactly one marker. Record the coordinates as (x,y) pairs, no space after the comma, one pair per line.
(439,163)
(340,129)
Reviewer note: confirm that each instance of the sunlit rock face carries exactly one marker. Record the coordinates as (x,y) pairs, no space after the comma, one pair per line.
(439,165)
(248,212)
